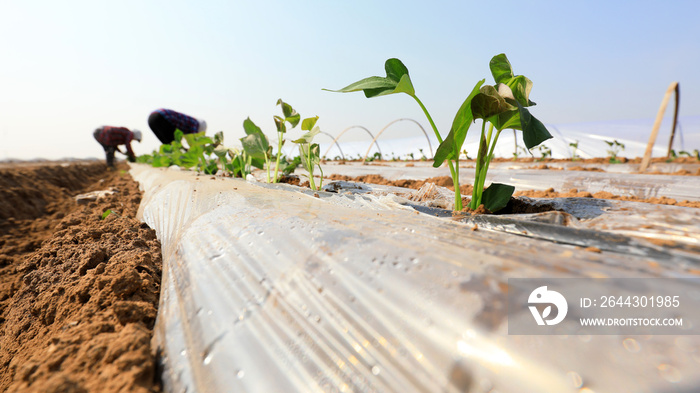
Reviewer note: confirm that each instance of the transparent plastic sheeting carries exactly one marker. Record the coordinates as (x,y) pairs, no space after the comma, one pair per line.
(270,289)
(644,186)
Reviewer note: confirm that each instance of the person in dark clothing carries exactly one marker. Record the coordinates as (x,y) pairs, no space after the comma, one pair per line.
(164,122)
(111,137)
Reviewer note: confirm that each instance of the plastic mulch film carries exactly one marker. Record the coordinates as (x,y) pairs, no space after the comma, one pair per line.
(270,289)
(624,184)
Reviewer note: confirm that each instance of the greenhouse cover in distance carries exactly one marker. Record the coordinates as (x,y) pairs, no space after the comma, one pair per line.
(591,137)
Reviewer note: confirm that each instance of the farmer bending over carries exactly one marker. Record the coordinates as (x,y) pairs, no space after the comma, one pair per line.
(164,122)
(111,137)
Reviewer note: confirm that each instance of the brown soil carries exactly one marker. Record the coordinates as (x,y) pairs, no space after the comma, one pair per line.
(586,169)
(78,293)
(551,193)
(446,181)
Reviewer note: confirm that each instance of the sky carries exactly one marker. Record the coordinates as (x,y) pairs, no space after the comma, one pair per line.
(67,67)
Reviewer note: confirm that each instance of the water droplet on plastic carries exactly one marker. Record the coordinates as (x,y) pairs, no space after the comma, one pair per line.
(207,360)
(375,370)
(414,261)
(317,318)
(631,345)
(245,313)
(669,373)
(575,379)
(183,352)
(685,344)
(240,374)
(261,232)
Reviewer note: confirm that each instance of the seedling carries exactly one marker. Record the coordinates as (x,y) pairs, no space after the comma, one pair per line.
(615,149)
(544,152)
(696,154)
(672,156)
(290,116)
(518,150)
(574,147)
(377,156)
(310,152)
(107,213)
(503,106)
(256,144)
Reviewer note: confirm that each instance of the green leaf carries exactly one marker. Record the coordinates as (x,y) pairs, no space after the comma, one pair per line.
(258,162)
(210,168)
(315,154)
(250,127)
(395,69)
(496,196)
(290,115)
(107,213)
(452,145)
(219,138)
(510,119)
(198,139)
(397,80)
(291,165)
(287,109)
(189,159)
(501,68)
(534,132)
(178,135)
(502,72)
(309,136)
(446,150)
(489,103)
(521,87)
(309,123)
(255,145)
(279,124)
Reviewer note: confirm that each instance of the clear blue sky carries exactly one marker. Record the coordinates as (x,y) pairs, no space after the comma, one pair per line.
(70,66)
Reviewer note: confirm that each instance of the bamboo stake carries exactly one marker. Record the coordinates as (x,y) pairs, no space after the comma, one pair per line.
(655,129)
(675,121)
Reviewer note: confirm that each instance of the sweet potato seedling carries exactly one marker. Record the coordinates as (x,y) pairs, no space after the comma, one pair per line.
(504,106)
(615,148)
(310,152)
(256,145)
(290,116)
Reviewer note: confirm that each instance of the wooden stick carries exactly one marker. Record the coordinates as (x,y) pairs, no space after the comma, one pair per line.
(675,121)
(655,128)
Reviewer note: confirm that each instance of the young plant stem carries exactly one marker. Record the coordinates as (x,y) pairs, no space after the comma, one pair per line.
(485,169)
(453,172)
(430,119)
(481,159)
(267,164)
(249,162)
(320,185)
(279,153)
(455,183)
(311,173)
